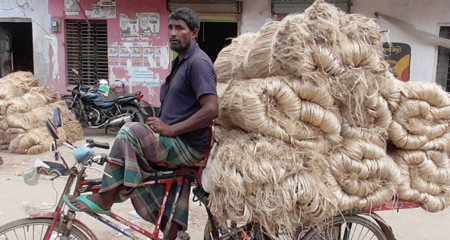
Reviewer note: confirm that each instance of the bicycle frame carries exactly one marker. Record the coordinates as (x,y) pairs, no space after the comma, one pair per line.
(166,178)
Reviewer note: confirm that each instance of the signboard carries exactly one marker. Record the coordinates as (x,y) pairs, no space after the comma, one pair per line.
(399,56)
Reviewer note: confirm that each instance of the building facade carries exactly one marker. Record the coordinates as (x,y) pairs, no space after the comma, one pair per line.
(126,40)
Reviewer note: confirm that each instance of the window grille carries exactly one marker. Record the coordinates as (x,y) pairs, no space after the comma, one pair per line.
(86,51)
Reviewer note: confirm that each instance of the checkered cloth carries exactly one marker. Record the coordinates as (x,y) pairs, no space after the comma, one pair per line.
(143,152)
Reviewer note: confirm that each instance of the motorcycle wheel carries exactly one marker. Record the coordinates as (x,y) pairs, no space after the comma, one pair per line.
(134,111)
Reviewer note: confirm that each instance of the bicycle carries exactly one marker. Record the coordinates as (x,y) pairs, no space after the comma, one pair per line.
(64,225)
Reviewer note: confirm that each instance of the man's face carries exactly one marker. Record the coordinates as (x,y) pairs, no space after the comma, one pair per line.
(180,36)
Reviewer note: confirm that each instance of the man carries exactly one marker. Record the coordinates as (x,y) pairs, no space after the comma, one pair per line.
(178,137)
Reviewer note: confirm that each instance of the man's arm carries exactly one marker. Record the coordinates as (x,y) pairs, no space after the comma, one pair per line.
(208,111)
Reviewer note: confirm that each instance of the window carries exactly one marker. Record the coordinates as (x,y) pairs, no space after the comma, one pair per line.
(443,62)
(86,51)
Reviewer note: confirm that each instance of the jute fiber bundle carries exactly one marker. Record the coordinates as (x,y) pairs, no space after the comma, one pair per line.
(363,47)
(33,118)
(389,87)
(16,84)
(364,175)
(264,179)
(295,111)
(365,112)
(229,61)
(19,133)
(36,97)
(35,141)
(293,47)
(422,120)
(425,178)
(258,62)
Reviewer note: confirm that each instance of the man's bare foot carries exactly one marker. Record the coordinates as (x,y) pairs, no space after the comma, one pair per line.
(98,199)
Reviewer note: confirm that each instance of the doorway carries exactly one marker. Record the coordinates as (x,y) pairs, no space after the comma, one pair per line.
(19,48)
(213,36)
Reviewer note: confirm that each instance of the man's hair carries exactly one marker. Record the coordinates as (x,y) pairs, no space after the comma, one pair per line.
(188,16)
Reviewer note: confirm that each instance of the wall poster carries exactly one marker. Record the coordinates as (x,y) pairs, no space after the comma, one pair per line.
(149,25)
(129,27)
(71,8)
(105,9)
(399,57)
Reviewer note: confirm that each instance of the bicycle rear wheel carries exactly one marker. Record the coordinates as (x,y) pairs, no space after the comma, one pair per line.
(350,227)
(35,229)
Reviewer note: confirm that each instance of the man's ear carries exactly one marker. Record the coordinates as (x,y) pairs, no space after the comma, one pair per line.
(195,33)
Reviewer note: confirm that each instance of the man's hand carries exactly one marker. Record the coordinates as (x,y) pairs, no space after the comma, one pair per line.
(160,127)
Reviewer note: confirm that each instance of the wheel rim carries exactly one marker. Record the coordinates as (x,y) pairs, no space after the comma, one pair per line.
(32,230)
(354,228)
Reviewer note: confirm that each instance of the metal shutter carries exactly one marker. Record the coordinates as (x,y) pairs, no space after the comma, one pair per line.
(206,6)
(86,51)
(299,6)
(443,62)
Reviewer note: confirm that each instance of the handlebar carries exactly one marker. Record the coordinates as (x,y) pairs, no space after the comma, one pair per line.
(91,144)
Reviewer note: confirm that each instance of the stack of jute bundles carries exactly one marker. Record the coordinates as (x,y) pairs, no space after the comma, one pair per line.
(420,132)
(24,107)
(307,114)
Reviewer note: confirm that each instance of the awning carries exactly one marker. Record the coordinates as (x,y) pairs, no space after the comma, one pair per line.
(299,6)
(419,34)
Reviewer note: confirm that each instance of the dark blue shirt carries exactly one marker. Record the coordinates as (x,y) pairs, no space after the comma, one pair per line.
(190,78)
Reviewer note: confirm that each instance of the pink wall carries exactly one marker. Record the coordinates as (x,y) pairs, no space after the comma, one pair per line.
(134,73)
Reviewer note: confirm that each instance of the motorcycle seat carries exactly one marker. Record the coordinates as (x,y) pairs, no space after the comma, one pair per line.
(126,95)
(105,100)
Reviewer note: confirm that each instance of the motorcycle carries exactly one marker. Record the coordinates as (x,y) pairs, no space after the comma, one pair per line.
(93,110)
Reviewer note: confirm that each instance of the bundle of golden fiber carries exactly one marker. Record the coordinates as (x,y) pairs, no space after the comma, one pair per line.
(22,131)
(296,111)
(258,62)
(16,84)
(425,177)
(364,175)
(35,141)
(316,84)
(293,48)
(230,58)
(264,179)
(422,119)
(36,97)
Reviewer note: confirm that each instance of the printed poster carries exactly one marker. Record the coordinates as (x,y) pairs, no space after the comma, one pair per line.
(71,8)
(129,27)
(105,9)
(398,56)
(139,55)
(149,25)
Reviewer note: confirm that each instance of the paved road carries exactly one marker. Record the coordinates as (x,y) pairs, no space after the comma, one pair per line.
(410,224)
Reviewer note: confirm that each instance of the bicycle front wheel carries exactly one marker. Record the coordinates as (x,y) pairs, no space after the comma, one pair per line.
(35,229)
(350,227)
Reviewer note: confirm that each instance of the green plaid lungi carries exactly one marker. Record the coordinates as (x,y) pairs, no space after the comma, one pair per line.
(143,151)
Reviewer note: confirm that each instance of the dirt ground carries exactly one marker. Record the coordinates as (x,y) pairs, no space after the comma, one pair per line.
(407,224)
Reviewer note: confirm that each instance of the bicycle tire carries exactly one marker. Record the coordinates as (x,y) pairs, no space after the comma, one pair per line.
(225,235)
(22,227)
(327,230)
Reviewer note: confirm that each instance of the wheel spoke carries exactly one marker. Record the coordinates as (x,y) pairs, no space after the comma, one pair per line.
(15,233)
(347,231)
